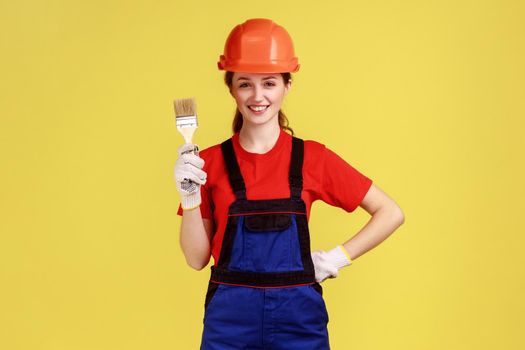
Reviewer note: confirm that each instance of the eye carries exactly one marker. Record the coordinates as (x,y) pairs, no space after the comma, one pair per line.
(270,83)
(242,85)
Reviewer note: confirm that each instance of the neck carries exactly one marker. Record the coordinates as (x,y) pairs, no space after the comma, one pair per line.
(260,138)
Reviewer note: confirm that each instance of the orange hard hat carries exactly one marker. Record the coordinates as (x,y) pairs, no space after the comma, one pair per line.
(259,46)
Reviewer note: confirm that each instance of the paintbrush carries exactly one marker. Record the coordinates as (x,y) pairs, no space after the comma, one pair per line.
(186,117)
(186,121)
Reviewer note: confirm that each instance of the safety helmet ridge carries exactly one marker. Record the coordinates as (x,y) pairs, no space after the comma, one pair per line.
(259,45)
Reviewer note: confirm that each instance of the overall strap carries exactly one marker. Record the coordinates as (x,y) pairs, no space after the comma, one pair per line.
(296,168)
(237,182)
(234,172)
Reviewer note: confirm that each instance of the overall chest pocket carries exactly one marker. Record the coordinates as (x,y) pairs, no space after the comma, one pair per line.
(267,222)
(267,243)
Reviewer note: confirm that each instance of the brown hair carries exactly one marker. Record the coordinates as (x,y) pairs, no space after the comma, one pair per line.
(237,119)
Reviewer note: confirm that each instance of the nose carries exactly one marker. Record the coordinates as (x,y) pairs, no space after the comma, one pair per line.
(258,94)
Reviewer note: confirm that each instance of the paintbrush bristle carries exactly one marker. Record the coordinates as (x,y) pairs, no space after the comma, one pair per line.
(186,117)
(185,107)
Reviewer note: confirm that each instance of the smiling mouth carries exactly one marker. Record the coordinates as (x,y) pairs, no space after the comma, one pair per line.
(258,108)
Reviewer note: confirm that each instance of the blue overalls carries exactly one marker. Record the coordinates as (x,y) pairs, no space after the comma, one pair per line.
(262,293)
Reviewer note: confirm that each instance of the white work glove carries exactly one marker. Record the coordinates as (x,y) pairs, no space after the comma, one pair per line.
(327,264)
(189,167)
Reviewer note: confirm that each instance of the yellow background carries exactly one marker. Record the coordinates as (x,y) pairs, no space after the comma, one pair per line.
(424,97)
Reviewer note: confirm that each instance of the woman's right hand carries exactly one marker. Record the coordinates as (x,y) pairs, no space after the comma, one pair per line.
(189,175)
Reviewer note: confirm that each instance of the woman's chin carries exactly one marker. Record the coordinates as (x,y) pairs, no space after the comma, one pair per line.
(259,122)
(259,119)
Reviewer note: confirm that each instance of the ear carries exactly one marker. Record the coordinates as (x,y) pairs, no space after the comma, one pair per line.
(288,87)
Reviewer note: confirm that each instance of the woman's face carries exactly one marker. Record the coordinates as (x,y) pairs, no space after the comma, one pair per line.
(259,95)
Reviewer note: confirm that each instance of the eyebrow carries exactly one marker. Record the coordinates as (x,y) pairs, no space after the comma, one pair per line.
(265,78)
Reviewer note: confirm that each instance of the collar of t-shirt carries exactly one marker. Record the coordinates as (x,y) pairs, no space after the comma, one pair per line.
(283,143)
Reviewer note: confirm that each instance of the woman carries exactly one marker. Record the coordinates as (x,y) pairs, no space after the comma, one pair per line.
(252,206)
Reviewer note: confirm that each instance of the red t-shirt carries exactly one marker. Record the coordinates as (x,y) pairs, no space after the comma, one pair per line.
(326,176)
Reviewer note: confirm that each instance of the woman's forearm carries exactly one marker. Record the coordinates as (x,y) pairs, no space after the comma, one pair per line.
(194,241)
(381,225)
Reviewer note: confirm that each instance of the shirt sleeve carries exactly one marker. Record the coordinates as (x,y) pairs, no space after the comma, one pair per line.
(205,207)
(342,185)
